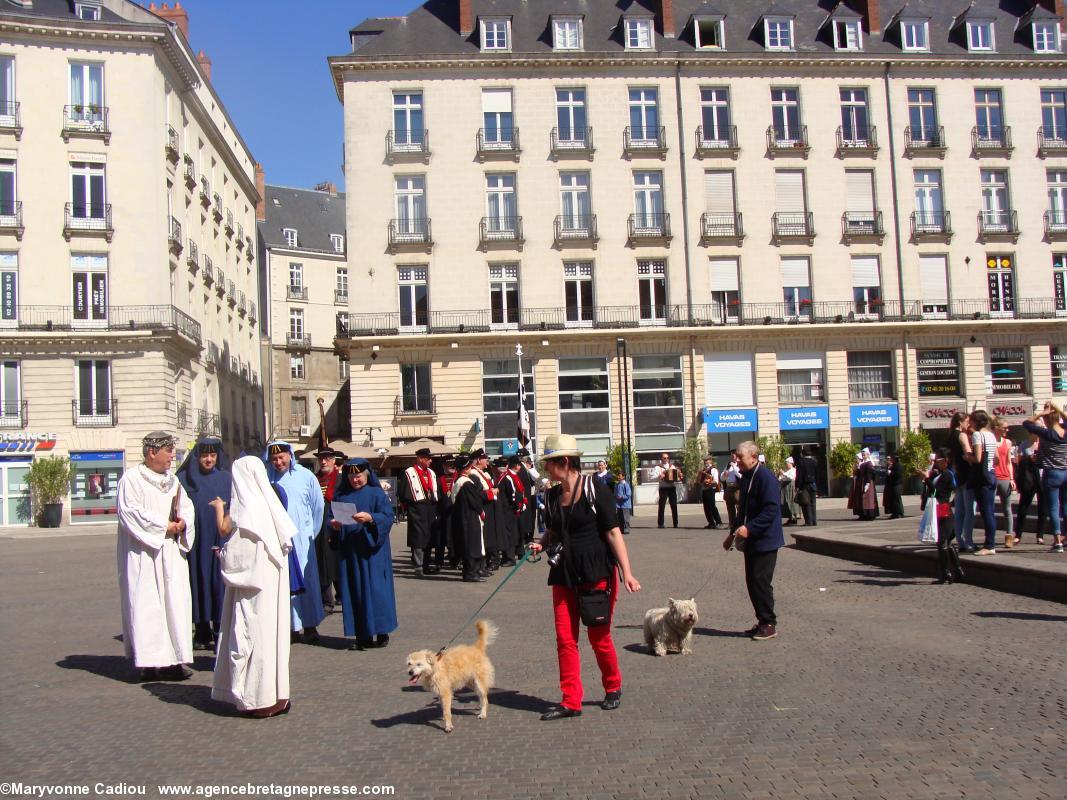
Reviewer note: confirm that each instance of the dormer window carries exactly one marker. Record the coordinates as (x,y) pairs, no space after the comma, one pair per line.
(567,33)
(496,33)
(638,34)
(291,238)
(848,34)
(87,11)
(980,36)
(915,35)
(1046,37)
(778,33)
(337,241)
(709,33)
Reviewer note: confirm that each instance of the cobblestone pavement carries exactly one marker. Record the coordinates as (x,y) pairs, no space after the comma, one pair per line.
(880,685)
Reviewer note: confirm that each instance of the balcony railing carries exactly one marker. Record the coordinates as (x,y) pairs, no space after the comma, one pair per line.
(11,119)
(11,217)
(298,341)
(575,228)
(248,249)
(645,140)
(231,293)
(82,219)
(205,192)
(649,227)
(994,224)
(340,297)
(858,141)
(86,120)
(924,141)
(240,242)
(721,227)
(407,144)
(578,142)
(251,312)
(788,225)
(493,230)
(15,415)
(411,406)
(1051,141)
(190,176)
(786,143)
(864,225)
(220,282)
(410,233)
(296,292)
(170,147)
(174,236)
(991,141)
(717,143)
(937,224)
(242,307)
(1056,223)
(207,423)
(216,210)
(499,142)
(116,318)
(209,271)
(95,413)
(228,228)
(192,258)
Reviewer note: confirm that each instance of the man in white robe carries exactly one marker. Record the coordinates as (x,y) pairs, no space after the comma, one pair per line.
(155,534)
(252,665)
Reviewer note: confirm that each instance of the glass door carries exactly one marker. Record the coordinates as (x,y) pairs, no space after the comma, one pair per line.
(15,502)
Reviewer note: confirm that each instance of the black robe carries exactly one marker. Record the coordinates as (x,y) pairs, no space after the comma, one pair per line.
(491,532)
(467,520)
(421,516)
(507,514)
(892,501)
(528,518)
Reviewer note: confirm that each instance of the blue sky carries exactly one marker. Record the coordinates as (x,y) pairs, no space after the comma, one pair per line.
(269,67)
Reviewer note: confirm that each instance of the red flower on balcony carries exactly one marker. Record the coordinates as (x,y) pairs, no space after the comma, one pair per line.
(877,303)
(805,302)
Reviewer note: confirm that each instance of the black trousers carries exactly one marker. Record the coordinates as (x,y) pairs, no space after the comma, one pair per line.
(731,494)
(711,509)
(759,577)
(808,510)
(948,554)
(668,494)
(1026,499)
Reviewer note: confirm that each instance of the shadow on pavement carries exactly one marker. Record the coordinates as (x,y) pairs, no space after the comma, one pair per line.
(717,632)
(915,581)
(118,668)
(878,573)
(194,696)
(431,713)
(1019,615)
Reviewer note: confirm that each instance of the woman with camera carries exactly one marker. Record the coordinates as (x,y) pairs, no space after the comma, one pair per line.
(585,549)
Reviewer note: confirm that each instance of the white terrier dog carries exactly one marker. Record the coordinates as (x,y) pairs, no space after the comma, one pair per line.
(670,629)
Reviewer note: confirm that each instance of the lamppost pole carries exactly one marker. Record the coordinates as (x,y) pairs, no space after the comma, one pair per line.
(624,406)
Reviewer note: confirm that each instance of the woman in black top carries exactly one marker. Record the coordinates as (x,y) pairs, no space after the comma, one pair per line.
(892,501)
(580,515)
(960,445)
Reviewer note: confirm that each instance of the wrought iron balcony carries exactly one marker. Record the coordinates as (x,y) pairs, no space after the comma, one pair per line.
(414,405)
(579,142)
(576,229)
(86,120)
(11,217)
(11,119)
(116,318)
(791,226)
(174,236)
(925,141)
(1056,224)
(208,423)
(298,341)
(241,307)
(192,258)
(231,293)
(649,228)
(252,312)
(931,225)
(170,146)
(228,228)
(711,144)
(95,413)
(788,143)
(14,415)
(1051,141)
(209,271)
(716,227)
(998,225)
(296,292)
(240,240)
(496,143)
(991,141)
(645,140)
(500,230)
(862,226)
(340,297)
(205,192)
(407,144)
(248,250)
(857,142)
(190,175)
(220,282)
(87,220)
(404,233)
(216,210)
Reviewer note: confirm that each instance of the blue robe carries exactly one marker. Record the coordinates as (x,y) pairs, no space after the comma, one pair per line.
(368,601)
(205,570)
(305,508)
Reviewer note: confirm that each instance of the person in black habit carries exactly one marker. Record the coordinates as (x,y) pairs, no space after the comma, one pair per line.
(807,484)
(480,472)
(528,518)
(468,519)
(442,533)
(417,490)
(512,502)
(892,500)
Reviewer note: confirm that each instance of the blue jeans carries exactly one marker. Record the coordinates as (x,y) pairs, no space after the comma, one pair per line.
(1054,485)
(964,517)
(986,494)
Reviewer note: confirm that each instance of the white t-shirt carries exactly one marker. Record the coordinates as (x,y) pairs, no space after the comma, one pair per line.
(989,447)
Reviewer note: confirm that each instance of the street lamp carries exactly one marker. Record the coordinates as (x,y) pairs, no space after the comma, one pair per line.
(624,405)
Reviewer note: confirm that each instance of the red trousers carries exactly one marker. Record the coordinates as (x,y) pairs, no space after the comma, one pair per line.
(565,607)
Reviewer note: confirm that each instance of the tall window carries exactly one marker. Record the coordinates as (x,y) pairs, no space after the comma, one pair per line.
(715,115)
(870,375)
(416,392)
(94,388)
(914,35)
(291,237)
(87,190)
(648,199)
(501,203)
(9,288)
(1001,280)
(10,391)
(86,92)
(1005,371)
(785,115)
(652,290)
(1058,357)
(725,289)
(90,288)
(296,277)
(296,369)
(296,323)
(8,191)
(638,34)
(866,286)
(567,33)
(922,116)
(778,33)
(496,34)
(1054,114)
(929,202)
(933,282)
(1059,281)
(571,123)
(585,402)
(644,115)
(342,368)
(796,286)
(1057,197)
(938,373)
(414,297)
(504,293)
(410,194)
(408,127)
(500,401)
(855,117)
(578,292)
(996,206)
(659,409)
(574,200)
(497,117)
(7,90)
(989,115)
(341,285)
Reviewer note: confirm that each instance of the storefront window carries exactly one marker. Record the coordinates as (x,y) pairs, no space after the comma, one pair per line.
(500,401)
(1059,369)
(659,412)
(938,372)
(585,404)
(870,375)
(1006,371)
(800,386)
(96,481)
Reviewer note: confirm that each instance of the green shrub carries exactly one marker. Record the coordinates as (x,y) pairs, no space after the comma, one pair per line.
(915,448)
(615,460)
(693,454)
(49,479)
(843,458)
(774,451)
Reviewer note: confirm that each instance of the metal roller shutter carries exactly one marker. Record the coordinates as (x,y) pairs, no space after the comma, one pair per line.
(724,275)
(800,361)
(728,380)
(496,101)
(795,272)
(933,279)
(865,271)
(859,191)
(789,191)
(719,192)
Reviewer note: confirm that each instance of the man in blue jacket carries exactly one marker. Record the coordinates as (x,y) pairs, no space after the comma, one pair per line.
(759,533)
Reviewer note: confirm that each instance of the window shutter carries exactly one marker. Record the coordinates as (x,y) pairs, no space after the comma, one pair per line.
(799,361)
(728,380)
(859,191)
(795,272)
(789,190)
(719,192)
(933,278)
(865,271)
(496,101)
(724,275)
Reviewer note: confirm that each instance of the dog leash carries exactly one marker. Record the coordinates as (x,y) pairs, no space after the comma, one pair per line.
(516,568)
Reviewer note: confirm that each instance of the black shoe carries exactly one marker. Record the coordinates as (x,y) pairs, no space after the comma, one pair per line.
(203,645)
(431,570)
(612,700)
(382,640)
(508,562)
(560,712)
(177,672)
(709,527)
(943,580)
(355,646)
(148,674)
(311,635)
(473,579)
(364,644)
(659,526)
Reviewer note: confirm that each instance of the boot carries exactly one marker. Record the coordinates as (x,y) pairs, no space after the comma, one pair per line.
(944,576)
(954,557)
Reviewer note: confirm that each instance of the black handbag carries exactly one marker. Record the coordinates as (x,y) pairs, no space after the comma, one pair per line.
(594,607)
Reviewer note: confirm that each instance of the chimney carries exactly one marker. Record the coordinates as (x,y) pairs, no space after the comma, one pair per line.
(261,190)
(204,62)
(328,187)
(666,8)
(873,13)
(466,18)
(177,15)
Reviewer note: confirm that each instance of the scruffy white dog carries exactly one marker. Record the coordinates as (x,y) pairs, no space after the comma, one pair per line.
(670,629)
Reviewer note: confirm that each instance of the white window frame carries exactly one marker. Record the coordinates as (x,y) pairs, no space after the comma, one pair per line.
(920,27)
(86,117)
(653,271)
(292,237)
(341,282)
(296,275)
(503,279)
(842,29)
(978,30)
(9,264)
(781,43)
(489,32)
(17,377)
(296,367)
(1043,31)
(343,367)
(95,413)
(297,330)
(91,265)
(338,242)
(639,33)
(568,33)
(408,278)
(720,28)
(81,8)
(579,273)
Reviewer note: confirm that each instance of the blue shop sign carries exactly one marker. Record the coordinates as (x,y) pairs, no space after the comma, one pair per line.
(97,456)
(804,418)
(510,447)
(885,415)
(727,420)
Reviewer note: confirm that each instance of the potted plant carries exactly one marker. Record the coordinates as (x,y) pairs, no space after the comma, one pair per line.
(774,451)
(842,462)
(913,452)
(615,460)
(693,453)
(49,480)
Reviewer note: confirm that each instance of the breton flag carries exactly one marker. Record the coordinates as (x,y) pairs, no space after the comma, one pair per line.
(523,427)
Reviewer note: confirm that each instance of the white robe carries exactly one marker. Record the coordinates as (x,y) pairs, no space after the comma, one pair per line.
(157,607)
(252,664)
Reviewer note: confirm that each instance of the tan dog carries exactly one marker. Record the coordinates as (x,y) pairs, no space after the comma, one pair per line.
(449,671)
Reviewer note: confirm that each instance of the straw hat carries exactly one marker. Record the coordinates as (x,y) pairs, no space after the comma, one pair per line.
(559,445)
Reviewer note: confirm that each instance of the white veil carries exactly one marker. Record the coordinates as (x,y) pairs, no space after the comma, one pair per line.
(255,507)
